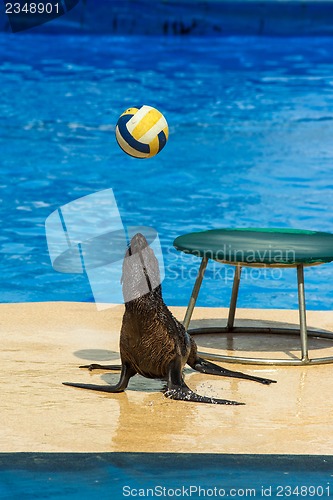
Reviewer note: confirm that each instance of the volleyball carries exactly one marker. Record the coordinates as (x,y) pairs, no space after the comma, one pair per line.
(142,131)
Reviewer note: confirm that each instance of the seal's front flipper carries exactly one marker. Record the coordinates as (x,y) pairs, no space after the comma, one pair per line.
(92,387)
(185,394)
(177,389)
(94,366)
(126,373)
(204,366)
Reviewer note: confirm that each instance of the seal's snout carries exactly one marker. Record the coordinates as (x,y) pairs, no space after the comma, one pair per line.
(138,243)
(141,273)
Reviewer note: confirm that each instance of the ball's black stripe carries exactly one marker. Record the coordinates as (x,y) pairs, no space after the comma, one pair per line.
(162,140)
(143,148)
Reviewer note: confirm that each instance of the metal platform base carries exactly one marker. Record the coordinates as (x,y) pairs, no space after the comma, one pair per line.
(303,332)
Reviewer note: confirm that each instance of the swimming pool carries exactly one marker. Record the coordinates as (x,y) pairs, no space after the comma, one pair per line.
(129,475)
(250,146)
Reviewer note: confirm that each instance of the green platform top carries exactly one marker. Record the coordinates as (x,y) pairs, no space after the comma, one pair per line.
(253,246)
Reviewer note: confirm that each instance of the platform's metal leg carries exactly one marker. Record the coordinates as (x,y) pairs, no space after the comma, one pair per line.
(234,295)
(195,292)
(302,313)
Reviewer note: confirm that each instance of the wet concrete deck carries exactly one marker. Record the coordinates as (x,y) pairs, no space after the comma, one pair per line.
(44,343)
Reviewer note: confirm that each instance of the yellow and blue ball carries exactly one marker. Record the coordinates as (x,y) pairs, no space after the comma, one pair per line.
(142,131)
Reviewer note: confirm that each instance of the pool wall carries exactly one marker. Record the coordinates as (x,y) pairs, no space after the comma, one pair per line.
(184,17)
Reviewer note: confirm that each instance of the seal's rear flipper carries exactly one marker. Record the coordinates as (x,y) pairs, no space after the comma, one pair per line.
(94,366)
(204,366)
(185,394)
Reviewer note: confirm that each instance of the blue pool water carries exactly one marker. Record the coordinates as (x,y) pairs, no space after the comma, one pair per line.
(251,122)
(134,475)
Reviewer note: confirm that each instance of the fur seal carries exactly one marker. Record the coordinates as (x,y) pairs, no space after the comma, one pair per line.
(153,343)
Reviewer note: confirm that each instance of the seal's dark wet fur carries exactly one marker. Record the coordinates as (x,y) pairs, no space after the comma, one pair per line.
(153,342)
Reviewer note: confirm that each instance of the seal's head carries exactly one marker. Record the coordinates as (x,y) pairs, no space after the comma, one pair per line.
(141,273)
